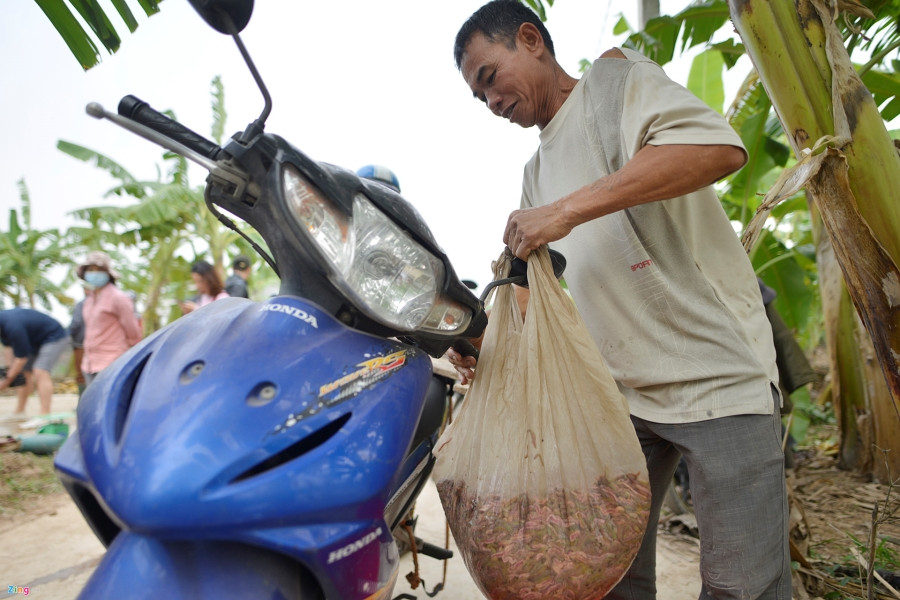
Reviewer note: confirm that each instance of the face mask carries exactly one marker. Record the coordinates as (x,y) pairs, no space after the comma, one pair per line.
(96,279)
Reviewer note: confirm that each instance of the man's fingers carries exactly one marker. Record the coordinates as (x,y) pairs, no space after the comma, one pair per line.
(465,375)
(464,365)
(459,361)
(509,235)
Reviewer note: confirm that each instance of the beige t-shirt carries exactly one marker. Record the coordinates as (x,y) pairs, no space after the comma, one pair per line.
(665,288)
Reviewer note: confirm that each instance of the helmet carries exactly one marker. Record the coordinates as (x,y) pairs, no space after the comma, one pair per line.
(381,175)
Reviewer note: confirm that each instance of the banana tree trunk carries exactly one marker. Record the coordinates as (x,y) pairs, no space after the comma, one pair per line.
(817,94)
(856,378)
(165,251)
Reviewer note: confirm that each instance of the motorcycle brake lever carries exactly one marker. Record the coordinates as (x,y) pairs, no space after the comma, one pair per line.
(217,168)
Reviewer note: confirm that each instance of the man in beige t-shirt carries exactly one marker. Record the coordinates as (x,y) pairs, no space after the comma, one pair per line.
(621,185)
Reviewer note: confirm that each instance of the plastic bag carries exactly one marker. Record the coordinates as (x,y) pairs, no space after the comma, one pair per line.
(541,474)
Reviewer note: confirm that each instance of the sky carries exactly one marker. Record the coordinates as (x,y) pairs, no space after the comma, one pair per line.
(353,82)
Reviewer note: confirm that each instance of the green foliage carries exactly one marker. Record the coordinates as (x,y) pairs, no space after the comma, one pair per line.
(128,182)
(77,39)
(785,256)
(701,22)
(885,87)
(878,37)
(217,91)
(885,556)
(155,239)
(538,7)
(767,152)
(695,25)
(705,79)
(27,256)
(808,414)
(800,420)
(793,276)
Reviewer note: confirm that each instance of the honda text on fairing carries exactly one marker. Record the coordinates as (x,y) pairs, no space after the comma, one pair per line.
(270,449)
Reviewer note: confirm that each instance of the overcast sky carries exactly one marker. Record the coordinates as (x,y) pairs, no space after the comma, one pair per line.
(353,82)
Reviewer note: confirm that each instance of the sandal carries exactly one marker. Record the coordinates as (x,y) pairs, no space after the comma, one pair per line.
(9,444)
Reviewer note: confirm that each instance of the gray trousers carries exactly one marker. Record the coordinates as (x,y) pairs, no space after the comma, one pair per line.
(736,470)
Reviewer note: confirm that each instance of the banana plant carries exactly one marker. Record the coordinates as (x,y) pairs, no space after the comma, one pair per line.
(168,225)
(79,41)
(850,168)
(794,253)
(26,258)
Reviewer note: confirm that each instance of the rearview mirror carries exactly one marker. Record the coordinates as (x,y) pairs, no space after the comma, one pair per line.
(225,16)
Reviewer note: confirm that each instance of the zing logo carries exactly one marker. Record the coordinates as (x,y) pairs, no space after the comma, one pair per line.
(294,312)
(18,589)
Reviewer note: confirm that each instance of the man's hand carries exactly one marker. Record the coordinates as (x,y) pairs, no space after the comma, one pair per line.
(16,366)
(530,228)
(464,365)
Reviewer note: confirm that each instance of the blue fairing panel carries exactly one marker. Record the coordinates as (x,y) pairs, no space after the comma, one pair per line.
(273,410)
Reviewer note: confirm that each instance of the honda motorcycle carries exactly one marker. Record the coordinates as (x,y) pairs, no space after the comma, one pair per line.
(269,449)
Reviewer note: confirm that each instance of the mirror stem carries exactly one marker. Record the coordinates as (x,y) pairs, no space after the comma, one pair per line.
(257,126)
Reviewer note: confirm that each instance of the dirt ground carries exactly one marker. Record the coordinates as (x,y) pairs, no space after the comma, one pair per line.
(46,546)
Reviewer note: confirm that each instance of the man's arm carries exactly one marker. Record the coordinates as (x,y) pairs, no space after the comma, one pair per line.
(655,173)
(15,367)
(128,321)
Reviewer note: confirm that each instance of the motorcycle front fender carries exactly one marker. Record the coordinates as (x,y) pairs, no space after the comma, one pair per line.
(139,567)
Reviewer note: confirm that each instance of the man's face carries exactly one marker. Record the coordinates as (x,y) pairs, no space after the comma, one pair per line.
(504,79)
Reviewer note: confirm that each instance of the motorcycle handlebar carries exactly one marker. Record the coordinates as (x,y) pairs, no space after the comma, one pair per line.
(139,111)
(465,347)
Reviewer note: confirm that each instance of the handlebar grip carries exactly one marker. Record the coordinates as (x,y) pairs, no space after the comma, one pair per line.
(465,347)
(137,110)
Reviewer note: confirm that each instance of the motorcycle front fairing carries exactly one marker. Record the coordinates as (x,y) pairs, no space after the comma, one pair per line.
(302,268)
(269,425)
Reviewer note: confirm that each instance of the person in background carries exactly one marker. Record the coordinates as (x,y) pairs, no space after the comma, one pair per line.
(794,368)
(236,283)
(382,175)
(36,342)
(110,325)
(622,185)
(76,334)
(208,283)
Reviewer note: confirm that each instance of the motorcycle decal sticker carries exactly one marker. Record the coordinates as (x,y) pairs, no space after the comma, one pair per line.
(292,311)
(352,547)
(368,373)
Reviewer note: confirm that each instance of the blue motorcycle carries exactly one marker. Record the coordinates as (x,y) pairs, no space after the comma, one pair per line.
(269,449)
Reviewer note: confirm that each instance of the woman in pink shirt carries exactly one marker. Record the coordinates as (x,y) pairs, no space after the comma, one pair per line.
(110,325)
(208,283)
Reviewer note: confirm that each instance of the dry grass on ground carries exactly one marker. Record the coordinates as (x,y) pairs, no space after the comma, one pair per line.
(25,481)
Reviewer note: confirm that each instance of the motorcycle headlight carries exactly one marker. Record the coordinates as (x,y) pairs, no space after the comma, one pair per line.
(376,264)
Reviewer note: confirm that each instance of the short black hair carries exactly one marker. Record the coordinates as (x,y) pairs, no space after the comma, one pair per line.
(201,267)
(240,262)
(499,21)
